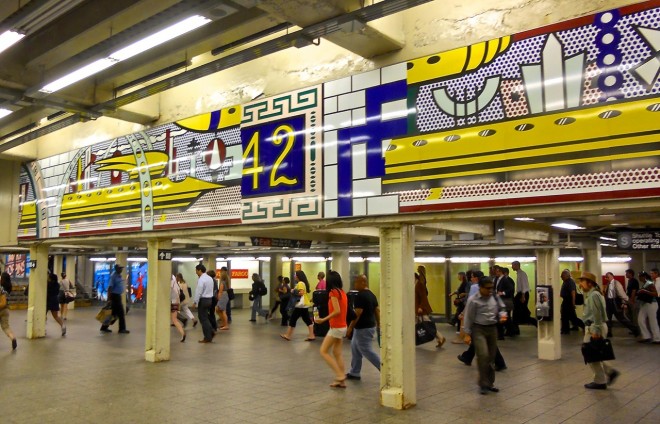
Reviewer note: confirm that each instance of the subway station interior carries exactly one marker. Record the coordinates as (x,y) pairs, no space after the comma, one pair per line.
(364,137)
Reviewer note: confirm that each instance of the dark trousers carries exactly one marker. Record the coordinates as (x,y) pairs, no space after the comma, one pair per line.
(509,327)
(284,313)
(459,308)
(568,317)
(468,356)
(203,308)
(117,311)
(612,309)
(228,311)
(211,311)
(277,303)
(484,339)
(521,314)
(300,313)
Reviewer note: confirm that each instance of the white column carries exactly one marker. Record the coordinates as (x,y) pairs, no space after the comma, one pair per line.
(397,303)
(157,343)
(210,261)
(341,264)
(58,267)
(275,268)
(591,254)
(36,312)
(71,274)
(547,273)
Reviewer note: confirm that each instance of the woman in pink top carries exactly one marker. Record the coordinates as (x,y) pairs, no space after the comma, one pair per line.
(337,307)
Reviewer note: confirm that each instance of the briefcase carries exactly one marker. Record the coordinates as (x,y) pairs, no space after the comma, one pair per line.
(597,350)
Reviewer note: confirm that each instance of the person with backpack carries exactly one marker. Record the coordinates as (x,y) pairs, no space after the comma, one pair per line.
(184,306)
(258,291)
(5,290)
(176,297)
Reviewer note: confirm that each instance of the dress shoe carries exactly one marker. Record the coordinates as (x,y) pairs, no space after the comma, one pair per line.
(502,368)
(14,344)
(612,377)
(353,377)
(494,389)
(253,320)
(106,330)
(595,386)
(204,341)
(484,390)
(460,358)
(644,341)
(195,323)
(124,332)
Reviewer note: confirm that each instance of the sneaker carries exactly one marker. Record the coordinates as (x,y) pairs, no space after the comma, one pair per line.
(595,386)
(123,332)
(353,377)
(106,330)
(63,330)
(460,358)
(14,344)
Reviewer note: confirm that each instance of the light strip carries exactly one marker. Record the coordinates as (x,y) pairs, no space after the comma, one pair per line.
(136,48)
(468,260)
(309,259)
(355,259)
(567,226)
(615,259)
(570,259)
(8,39)
(4,112)
(136,260)
(182,259)
(431,260)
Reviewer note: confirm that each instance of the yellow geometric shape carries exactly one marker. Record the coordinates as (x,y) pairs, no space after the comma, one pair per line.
(162,218)
(109,223)
(155,162)
(212,121)
(435,194)
(455,62)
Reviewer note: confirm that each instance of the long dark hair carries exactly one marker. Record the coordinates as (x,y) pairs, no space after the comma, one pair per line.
(302,277)
(5,280)
(333,281)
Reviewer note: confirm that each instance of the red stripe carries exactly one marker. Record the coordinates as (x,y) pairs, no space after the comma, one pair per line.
(562,198)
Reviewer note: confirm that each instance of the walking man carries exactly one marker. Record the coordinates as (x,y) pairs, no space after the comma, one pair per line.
(521,314)
(116,290)
(482,314)
(616,301)
(567,294)
(203,298)
(363,328)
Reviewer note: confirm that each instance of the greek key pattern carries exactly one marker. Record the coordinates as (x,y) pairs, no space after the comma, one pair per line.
(279,106)
(283,208)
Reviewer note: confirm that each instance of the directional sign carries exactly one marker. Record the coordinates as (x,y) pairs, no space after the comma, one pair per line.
(164,255)
(33,264)
(639,240)
(278,242)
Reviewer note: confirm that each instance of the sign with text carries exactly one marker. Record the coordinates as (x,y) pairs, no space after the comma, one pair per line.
(239,273)
(278,242)
(639,240)
(33,264)
(164,255)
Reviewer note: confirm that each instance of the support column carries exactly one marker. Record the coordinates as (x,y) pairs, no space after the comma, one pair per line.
(341,264)
(36,312)
(547,273)
(58,267)
(209,261)
(397,375)
(121,259)
(159,258)
(591,254)
(275,270)
(71,275)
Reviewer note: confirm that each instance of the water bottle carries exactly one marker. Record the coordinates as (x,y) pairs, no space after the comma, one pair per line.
(316,313)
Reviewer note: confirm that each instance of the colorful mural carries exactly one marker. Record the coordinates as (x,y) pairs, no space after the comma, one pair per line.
(564,113)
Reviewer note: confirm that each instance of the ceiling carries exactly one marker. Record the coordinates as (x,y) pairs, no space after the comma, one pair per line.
(65,35)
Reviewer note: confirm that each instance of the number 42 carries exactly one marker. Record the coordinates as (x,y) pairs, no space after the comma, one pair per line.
(283,133)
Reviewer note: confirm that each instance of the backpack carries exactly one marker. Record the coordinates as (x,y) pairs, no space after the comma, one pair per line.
(263,290)
(3,300)
(182,295)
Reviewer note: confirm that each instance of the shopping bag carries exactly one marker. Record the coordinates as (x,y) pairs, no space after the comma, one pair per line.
(425,331)
(103,314)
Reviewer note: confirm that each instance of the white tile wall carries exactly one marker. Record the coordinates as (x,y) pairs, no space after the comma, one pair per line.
(359,116)
(359,207)
(359,161)
(366,80)
(337,120)
(383,205)
(394,110)
(330,147)
(367,188)
(334,88)
(330,209)
(352,100)
(330,182)
(394,73)
(330,105)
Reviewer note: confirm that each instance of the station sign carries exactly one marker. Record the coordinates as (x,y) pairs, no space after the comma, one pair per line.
(639,240)
(164,255)
(278,242)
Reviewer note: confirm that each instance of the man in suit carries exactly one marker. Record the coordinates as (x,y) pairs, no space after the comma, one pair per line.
(505,288)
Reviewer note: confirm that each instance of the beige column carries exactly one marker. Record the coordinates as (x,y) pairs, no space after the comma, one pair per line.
(159,258)
(275,267)
(343,267)
(58,265)
(36,312)
(121,259)
(71,274)
(547,273)
(210,261)
(592,254)
(397,303)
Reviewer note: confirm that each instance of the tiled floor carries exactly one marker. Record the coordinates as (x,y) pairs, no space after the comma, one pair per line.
(250,375)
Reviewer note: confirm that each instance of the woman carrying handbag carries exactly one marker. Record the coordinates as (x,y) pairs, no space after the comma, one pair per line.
(595,319)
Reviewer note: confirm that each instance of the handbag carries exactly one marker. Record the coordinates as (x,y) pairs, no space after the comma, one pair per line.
(425,331)
(597,350)
(231,294)
(3,301)
(579,299)
(251,296)
(69,297)
(301,302)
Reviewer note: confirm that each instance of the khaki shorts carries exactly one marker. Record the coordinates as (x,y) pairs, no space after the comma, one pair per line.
(4,319)
(337,333)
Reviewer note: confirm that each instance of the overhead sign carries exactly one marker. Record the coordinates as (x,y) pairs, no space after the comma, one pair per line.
(164,255)
(639,240)
(239,273)
(278,242)
(33,264)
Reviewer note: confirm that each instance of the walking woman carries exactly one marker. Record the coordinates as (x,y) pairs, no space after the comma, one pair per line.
(301,308)
(184,306)
(223,300)
(422,305)
(278,301)
(5,290)
(595,319)
(175,301)
(337,306)
(65,295)
(648,310)
(52,300)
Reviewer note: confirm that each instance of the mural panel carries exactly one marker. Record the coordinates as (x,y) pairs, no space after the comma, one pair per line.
(565,113)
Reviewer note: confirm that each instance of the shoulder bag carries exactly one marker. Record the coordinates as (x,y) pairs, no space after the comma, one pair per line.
(597,350)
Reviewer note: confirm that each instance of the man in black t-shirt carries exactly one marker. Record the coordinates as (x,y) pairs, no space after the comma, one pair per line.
(567,294)
(631,290)
(363,328)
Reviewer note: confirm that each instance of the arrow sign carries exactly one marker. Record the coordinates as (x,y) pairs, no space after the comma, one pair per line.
(164,255)
(33,264)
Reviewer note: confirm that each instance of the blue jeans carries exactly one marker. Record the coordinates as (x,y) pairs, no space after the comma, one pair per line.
(256,308)
(362,345)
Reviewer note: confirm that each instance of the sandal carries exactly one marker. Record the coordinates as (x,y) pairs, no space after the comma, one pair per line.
(285,337)
(441,342)
(224,328)
(338,384)
(310,340)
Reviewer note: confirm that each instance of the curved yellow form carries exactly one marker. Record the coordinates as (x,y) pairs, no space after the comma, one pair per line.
(455,62)
(218,119)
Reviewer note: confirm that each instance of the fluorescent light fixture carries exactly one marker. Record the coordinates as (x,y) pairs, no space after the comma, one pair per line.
(355,259)
(102,259)
(182,259)
(136,260)
(570,259)
(373,259)
(431,260)
(242,258)
(160,37)
(513,258)
(568,224)
(468,260)
(615,259)
(9,38)
(607,238)
(523,218)
(264,258)
(136,48)
(309,259)
(4,112)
